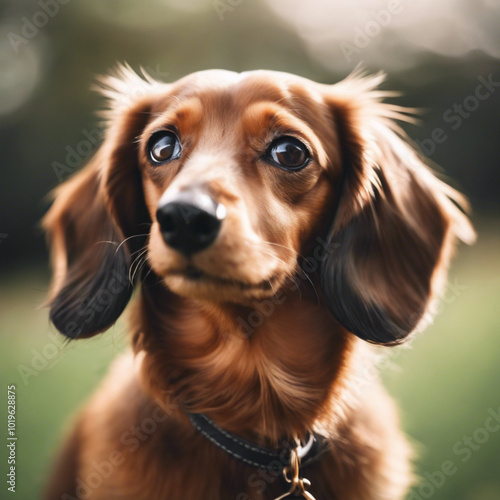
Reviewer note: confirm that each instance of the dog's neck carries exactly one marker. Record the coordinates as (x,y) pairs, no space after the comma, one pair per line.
(266,372)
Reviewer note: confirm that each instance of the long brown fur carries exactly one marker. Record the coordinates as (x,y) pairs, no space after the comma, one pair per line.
(268,342)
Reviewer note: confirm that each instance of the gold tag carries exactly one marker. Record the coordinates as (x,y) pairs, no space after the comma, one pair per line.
(297,485)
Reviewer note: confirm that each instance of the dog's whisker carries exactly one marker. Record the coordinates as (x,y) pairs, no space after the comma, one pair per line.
(293,275)
(143,264)
(145,235)
(138,267)
(143,278)
(269,251)
(133,269)
(136,263)
(138,251)
(313,287)
(291,250)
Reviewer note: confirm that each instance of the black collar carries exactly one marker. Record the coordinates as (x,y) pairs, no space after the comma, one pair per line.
(258,456)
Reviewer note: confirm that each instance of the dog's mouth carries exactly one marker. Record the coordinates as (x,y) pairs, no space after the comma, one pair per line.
(196,276)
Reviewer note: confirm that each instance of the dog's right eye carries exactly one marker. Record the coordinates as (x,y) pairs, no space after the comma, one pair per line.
(163,147)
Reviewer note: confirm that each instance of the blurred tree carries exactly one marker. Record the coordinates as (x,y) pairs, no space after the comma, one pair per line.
(47,110)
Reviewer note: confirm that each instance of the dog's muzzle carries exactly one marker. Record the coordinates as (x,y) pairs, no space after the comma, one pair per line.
(190,221)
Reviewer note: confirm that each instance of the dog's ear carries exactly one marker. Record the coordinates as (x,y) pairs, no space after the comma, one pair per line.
(98,220)
(91,284)
(395,222)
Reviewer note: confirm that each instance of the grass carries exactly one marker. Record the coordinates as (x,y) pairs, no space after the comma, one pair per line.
(449,382)
(446,383)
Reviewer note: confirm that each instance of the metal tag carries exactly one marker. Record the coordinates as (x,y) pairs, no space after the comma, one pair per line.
(298,485)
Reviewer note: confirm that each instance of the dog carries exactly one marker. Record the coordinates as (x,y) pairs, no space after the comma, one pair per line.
(278,232)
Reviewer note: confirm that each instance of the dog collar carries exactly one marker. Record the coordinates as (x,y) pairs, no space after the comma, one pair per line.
(258,456)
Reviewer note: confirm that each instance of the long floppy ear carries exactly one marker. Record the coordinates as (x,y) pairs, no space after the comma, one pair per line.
(98,219)
(395,225)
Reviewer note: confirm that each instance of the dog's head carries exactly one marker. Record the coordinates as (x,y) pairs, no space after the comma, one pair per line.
(221,182)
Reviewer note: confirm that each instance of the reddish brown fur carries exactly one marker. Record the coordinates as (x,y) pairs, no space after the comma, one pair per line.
(390,226)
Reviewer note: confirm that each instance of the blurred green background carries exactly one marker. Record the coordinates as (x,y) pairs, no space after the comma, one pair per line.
(447,382)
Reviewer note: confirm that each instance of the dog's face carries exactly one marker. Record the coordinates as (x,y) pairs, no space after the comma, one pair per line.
(219,183)
(239,174)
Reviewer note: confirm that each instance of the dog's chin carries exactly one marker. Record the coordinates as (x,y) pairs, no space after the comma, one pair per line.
(194,283)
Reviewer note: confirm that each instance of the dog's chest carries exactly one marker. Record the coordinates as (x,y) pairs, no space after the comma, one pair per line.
(157,457)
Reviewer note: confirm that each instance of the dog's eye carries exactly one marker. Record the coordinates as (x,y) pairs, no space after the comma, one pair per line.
(163,146)
(288,153)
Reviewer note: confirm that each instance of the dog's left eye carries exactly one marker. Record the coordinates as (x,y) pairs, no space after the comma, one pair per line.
(163,146)
(288,153)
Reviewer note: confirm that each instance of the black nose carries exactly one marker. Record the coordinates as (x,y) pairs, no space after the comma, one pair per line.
(191,221)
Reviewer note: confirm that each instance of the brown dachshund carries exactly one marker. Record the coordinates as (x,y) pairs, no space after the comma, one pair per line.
(274,228)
